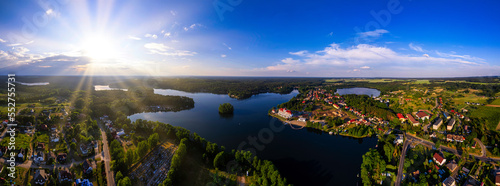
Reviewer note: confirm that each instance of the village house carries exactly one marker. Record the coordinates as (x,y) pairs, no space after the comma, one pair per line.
(452,165)
(452,137)
(438,159)
(422,115)
(401,117)
(61,157)
(65,175)
(399,139)
(450,181)
(412,120)
(87,167)
(40,177)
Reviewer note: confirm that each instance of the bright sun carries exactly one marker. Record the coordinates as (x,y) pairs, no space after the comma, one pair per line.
(99,48)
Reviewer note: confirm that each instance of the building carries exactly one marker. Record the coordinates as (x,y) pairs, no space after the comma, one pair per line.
(412,120)
(87,167)
(452,165)
(450,124)
(457,138)
(40,177)
(438,159)
(497,179)
(450,181)
(336,106)
(422,115)
(65,175)
(301,119)
(399,139)
(446,115)
(283,112)
(61,157)
(437,123)
(401,117)
(83,182)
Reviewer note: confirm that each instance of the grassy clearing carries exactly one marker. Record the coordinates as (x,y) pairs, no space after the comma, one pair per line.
(490,114)
(496,102)
(422,82)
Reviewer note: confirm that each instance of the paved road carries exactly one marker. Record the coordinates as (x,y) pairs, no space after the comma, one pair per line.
(110,177)
(483,148)
(402,161)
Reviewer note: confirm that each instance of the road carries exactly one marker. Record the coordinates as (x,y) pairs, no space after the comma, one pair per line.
(106,157)
(402,161)
(483,148)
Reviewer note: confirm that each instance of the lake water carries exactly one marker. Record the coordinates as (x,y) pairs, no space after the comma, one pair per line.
(359,91)
(106,87)
(304,157)
(34,84)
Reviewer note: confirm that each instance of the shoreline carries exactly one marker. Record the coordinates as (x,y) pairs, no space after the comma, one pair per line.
(303,124)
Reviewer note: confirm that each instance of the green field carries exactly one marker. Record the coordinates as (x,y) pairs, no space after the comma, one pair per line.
(490,114)
(496,102)
(422,82)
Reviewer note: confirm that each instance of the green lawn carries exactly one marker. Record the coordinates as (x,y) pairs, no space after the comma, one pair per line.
(496,102)
(22,141)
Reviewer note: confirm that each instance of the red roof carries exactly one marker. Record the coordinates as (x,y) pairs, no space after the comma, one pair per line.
(438,158)
(410,117)
(400,116)
(421,114)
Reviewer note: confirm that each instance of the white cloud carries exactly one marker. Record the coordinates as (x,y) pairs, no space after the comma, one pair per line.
(161,49)
(415,47)
(228,47)
(465,57)
(49,12)
(2,41)
(192,26)
(335,58)
(426,55)
(134,38)
(330,34)
(154,36)
(375,33)
(167,34)
(174,13)
(223,55)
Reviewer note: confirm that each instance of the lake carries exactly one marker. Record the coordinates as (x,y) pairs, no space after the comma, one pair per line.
(359,91)
(106,87)
(304,157)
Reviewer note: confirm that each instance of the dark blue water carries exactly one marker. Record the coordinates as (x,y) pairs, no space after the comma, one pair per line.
(304,157)
(359,91)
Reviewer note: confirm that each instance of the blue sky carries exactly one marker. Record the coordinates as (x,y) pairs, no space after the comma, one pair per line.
(392,38)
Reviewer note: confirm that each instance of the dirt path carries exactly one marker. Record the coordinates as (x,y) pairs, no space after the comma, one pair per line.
(241,180)
(493,105)
(498,126)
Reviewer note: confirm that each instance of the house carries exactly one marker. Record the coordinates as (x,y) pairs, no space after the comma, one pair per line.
(336,106)
(438,159)
(40,177)
(437,123)
(87,167)
(40,146)
(422,115)
(283,112)
(401,117)
(452,165)
(301,119)
(450,124)
(39,157)
(83,182)
(450,181)
(412,120)
(61,157)
(65,175)
(121,132)
(452,137)
(497,179)
(399,139)
(446,115)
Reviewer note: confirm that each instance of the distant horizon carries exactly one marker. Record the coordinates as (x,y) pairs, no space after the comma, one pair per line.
(251,38)
(318,77)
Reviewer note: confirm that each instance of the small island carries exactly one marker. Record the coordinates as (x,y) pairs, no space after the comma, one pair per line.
(226,108)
